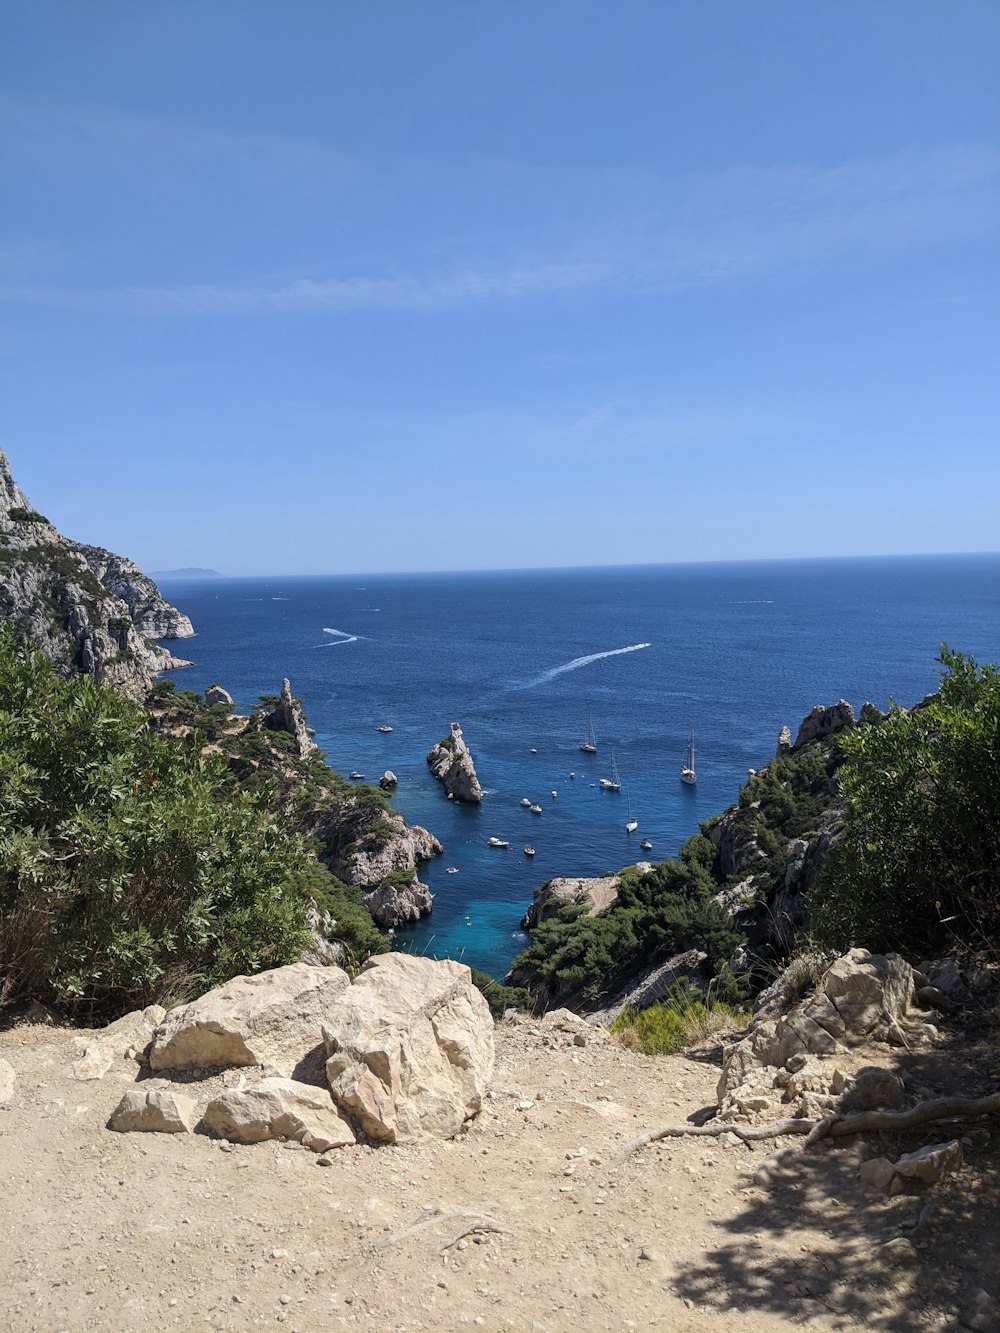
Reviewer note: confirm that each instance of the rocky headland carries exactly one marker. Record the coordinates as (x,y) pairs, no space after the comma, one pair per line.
(85,608)
(451,763)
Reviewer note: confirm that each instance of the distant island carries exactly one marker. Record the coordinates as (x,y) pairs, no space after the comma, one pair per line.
(189,572)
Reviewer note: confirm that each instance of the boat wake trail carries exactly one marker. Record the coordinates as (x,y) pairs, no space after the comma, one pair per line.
(340,637)
(579,662)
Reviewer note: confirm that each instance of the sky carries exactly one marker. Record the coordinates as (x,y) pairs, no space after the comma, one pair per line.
(363,285)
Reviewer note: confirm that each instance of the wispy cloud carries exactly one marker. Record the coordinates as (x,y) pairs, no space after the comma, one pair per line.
(519,234)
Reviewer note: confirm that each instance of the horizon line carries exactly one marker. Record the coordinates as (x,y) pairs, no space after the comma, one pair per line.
(554,569)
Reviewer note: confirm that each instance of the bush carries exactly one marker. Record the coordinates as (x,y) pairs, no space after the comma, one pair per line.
(684,1018)
(500,997)
(129,867)
(919,864)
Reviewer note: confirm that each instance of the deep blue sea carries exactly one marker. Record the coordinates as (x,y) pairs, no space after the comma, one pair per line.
(520,660)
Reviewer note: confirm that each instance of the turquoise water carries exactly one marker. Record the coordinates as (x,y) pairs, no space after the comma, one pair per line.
(519,659)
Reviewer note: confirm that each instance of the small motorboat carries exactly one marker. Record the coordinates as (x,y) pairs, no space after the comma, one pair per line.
(535,809)
(525,802)
(451,870)
(384,728)
(356,776)
(497,842)
(572,775)
(529,851)
(646,845)
(553,794)
(532,750)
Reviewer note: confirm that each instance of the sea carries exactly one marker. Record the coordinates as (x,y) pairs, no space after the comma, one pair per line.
(526,660)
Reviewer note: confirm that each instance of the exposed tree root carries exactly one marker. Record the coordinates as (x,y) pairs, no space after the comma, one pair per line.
(473,1222)
(484,1226)
(861,1122)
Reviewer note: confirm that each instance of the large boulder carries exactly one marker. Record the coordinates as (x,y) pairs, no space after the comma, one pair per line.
(451,763)
(410,1049)
(279,1108)
(158,1111)
(273,1018)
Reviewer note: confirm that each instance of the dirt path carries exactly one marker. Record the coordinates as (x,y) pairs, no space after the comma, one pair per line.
(125,1231)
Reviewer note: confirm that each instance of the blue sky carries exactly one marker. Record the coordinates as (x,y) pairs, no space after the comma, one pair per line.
(380,285)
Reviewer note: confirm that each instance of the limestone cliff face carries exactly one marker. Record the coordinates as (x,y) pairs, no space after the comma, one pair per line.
(51,593)
(287,716)
(151,615)
(451,763)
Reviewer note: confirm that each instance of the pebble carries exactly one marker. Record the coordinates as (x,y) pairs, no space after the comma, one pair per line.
(279,1254)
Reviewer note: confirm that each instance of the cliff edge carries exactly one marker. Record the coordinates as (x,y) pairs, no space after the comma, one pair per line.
(87,609)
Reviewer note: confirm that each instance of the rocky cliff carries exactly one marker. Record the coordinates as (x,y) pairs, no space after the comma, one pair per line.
(451,763)
(85,608)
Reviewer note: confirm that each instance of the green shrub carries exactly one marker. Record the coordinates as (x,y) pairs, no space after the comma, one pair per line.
(129,867)
(500,997)
(685,1017)
(918,866)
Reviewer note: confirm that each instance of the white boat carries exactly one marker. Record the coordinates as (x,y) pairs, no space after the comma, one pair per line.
(535,809)
(356,777)
(532,750)
(614,782)
(497,842)
(630,824)
(688,774)
(589,746)
(525,802)
(553,794)
(529,851)
(451,870)
(646,845)
(384,728)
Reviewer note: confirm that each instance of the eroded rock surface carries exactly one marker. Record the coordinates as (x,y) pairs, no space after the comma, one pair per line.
(410,1049)
(279,1108)
(287,716)
(393,904)
(451,763)
(273,1018)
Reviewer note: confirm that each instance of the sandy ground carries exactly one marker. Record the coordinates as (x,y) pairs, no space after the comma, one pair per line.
(100,1230)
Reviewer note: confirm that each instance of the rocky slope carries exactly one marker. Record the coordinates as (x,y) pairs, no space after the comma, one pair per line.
(86,609)
(451,763)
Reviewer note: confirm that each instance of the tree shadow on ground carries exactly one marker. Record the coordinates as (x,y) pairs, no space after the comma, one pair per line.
(808,1244)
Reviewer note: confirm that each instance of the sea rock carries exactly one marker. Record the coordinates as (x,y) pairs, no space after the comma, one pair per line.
(596,894)
(215,694)
(8,1081)
(279,1108)
(393,846)
(393,904)
(84,608)
(272,1018)
(388,780)
(823,722)
(410,1049)
(158,1111)
(451,763)
(287,716)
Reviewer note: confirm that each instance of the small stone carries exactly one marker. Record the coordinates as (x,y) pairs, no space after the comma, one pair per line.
(877,1173)
(896,1252)
(646,1253)
(279,1254)
(159,1111)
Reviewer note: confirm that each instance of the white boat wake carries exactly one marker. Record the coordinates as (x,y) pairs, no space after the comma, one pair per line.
(340,637)
(579,662)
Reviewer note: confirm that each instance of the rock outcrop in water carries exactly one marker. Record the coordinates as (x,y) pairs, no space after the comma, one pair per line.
(451,763)
(85,608)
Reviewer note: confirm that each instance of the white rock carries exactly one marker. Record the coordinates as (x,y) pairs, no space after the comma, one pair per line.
(410,1049)
(92,1062)
(158,1111)
(274,1018)
(927,1165)
(877,1173)
(279,1108)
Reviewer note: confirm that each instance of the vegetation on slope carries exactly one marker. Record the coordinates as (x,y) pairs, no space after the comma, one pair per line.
(918,867)
(131,869)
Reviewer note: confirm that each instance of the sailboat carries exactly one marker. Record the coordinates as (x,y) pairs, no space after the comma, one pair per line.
(688,774)
(631,824)
(589,746)
(614,783)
